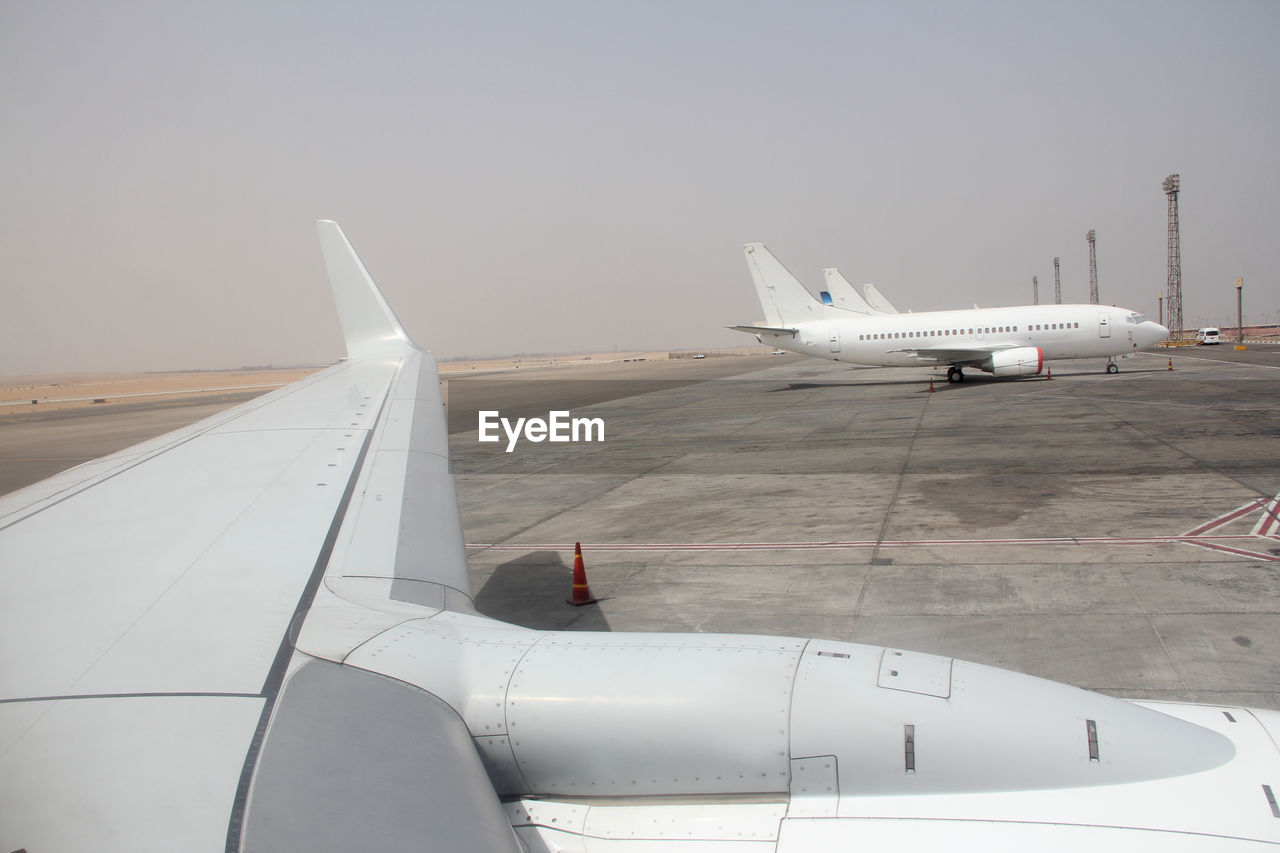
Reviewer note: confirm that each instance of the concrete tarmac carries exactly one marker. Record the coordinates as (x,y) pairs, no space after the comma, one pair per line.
(1106,531)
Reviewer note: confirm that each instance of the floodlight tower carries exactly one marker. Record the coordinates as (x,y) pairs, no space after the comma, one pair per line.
(1035,290)
(1057,284)
(1093,266)
(1173,293)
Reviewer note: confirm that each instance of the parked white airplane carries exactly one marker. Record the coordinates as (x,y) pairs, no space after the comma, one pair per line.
(1002,341)
(257,633)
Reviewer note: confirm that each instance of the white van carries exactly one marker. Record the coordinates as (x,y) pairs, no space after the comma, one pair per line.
(1209,335)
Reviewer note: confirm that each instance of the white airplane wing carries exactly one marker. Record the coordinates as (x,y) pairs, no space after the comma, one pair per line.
(153,598)
(956,355)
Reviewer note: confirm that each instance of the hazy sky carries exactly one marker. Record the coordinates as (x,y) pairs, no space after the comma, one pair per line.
(574,176)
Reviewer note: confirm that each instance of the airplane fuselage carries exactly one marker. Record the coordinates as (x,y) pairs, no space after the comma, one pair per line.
(904,340)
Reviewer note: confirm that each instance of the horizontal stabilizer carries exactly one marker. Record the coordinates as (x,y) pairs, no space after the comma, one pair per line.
(773,331)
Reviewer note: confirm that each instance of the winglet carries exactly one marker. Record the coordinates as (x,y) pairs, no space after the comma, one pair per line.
(368,323)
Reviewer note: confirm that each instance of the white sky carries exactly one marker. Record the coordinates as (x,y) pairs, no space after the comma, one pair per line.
(577,176)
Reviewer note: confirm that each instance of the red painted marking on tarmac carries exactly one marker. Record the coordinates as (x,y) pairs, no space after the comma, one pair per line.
(680,546)
(1224,519)
(1267,528)
(1269,524)
(1212,542)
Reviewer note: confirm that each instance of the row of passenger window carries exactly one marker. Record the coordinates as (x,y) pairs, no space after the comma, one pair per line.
(1038,327)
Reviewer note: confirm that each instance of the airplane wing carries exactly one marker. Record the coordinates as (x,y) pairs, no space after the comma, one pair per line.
(153,599)
(955,355)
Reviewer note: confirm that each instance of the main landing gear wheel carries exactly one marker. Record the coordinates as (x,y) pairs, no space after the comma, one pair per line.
(1112,367)
(955,374)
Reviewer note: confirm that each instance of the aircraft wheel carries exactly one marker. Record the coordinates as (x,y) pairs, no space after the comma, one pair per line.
(1112,367)
(951,374)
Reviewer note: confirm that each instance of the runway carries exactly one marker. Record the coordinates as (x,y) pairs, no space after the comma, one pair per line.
(36,444)
(1115,532)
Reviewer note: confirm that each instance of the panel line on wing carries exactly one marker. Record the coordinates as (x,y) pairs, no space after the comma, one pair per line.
(83,486)
(432,552)
(280,665)
(160,695)
(403,523)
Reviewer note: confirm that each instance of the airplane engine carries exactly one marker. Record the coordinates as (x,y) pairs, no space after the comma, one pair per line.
(638,715)
(568,714)
(631,715)
(1022,361)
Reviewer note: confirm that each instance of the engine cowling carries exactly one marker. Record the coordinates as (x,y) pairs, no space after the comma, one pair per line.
(1021,361)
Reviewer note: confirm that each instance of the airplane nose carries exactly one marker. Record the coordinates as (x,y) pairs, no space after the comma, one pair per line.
(1155,333)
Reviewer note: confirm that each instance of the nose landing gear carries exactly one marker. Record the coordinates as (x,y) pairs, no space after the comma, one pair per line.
(1112,367)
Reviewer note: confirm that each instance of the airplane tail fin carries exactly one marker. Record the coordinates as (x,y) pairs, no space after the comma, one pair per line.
(368,323)
(843,294)
(876,299)
(783,298)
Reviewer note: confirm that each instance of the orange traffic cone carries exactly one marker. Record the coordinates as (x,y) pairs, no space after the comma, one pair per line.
(581,592)
(1049,373)
(1171,364)
(930,384)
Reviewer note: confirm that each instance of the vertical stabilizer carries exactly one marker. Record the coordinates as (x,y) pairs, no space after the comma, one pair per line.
(843,294)
(783,298)
(368,323)
(876,299)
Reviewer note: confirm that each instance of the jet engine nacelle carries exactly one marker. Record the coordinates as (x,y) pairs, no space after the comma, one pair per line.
(643,715)
(1022,361)
(632,715)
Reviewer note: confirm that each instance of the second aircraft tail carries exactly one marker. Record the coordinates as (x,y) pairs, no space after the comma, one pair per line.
(876,300)
(843,294)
